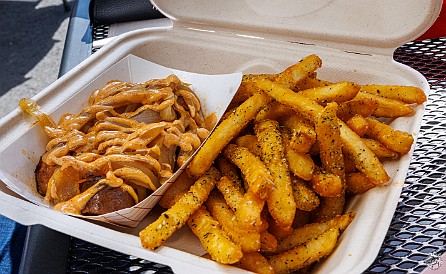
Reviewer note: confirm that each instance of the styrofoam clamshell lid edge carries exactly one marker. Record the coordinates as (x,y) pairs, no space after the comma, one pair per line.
(338,23)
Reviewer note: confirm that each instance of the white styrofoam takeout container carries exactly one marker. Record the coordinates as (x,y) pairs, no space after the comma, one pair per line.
(355,40)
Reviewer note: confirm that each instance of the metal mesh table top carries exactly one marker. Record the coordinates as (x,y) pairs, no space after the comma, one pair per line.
(417,230)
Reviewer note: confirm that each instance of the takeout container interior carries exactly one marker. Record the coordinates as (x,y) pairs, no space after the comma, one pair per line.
(355,40)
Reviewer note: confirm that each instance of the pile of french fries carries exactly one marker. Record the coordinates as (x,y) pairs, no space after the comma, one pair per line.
(266,192)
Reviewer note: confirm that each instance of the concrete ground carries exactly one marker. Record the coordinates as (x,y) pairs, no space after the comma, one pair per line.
(32,36)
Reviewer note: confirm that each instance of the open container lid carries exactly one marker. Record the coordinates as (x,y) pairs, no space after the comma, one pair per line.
(361,26)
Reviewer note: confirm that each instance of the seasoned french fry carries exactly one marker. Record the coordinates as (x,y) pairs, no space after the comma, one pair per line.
(231,191)
(326,184)
(328,208)
(181,185)
(249,212)
(306,254)
(273,111)
(229,170)
(337,92)
(216,242)
(310,82)
(304,196)
(303,134)
(301,165)
(330,144)
(255,262)
(296,73)
(358,183)
(358,106)
(395,140)
(268,243)
(380,150)
(304,234)
(280,202)
(358,124)
(224,133)
(250,142)
(407,94)
(389,108)
(249,241)
(155,234)
(256,174)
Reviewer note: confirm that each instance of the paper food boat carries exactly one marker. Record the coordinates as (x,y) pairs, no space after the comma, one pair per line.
(354,39)
(214,92)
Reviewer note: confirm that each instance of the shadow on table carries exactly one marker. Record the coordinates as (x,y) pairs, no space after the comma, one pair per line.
(26,36)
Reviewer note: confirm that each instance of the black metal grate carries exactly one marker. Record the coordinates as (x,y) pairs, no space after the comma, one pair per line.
(418,227)
(99,32)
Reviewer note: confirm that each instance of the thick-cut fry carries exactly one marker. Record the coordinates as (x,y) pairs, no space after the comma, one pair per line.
(407,94)
(304,196)
(303,234)
(303,135)
(216,242)
(301,165)
(250,142)
(280,202)
(224,133)
(358,183)
(330,143)
(256,174)
(229,170)
(389,108)
(327,184)
(176,216)
(296,73)
(380,150)
(249,241)
(358,106)
(328,208)
(255,262)
(395,140)
(306,254)
(249,212)
(273,111)
(181,185)
(337,92)
(310,82)
(231,191)
(358,124)
(268,243)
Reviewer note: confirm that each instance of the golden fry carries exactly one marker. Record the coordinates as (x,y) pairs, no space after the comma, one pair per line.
(296,73)
(303,234)
(249,212)
(358,124)
(216,242)
(273,111)
(304,255)
(326,184)
(310,82)
(337,92)
(250,142)
(395,140)
(380,150)
(407,94)
(155,234)
(249,241)
(231,191)
(225,131)
(255,262)
(330,144)
(329,207)
(268,243)
(301,165)
(389,108)
(303,135)
(358,106)
(304,196)
(256,174)
(280,202)
(358,183)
